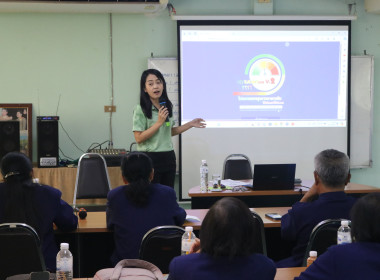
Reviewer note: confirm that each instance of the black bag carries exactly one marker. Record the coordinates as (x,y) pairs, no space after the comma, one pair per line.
(42,275)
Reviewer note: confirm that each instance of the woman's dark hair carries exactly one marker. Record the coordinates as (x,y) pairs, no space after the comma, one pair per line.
(136,168)
(145,102)
(228,229)
(365,219)
(19,205)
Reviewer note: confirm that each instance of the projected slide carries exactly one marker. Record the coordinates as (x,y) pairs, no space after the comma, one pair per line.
(248,83)
(276,91)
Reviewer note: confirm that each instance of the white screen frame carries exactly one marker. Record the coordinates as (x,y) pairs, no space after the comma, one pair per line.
(297,144)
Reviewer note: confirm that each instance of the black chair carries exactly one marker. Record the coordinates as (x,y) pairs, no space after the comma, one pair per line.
(92,178)
(20,250)
(132,147)
(260,245)
(322,237)
(237,167)
(160,245)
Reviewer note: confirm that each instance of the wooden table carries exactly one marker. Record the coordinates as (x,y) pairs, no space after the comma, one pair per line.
(275,198)
(268,223)
(288,273)
(96,221)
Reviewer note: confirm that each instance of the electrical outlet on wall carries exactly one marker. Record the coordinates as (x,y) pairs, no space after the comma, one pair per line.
(108,109)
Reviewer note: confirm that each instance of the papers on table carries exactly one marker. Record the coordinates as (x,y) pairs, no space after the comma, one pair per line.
(302,188)
(191,218)
(233,183)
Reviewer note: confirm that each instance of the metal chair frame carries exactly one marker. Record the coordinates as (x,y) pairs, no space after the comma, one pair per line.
(263,248)
(229,158)
(321,227)
(83,157)
(160,231)
(20,260)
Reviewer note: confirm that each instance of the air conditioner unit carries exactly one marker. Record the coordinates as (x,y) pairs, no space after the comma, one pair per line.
(372,6)
(82,6)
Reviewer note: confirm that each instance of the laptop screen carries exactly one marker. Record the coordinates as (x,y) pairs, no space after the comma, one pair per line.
(274,176)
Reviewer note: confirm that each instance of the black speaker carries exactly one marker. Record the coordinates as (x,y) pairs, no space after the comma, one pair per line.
(9,137)
(47,141)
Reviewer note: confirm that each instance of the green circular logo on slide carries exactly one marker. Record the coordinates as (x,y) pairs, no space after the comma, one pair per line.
(266,73)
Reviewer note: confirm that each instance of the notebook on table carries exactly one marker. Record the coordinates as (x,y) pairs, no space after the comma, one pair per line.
(274,176)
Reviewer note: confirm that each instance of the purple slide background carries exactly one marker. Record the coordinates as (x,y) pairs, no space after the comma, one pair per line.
(211,71)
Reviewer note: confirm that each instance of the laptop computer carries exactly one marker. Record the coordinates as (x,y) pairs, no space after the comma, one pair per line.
(274,176)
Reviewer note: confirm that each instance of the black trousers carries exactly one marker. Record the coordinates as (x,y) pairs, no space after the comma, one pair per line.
(164,164)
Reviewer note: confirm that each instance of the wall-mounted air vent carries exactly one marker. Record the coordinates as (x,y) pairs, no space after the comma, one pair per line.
(90,6)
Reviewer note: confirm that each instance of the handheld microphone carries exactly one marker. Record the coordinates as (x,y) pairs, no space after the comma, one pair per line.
(82,213)
(163,103)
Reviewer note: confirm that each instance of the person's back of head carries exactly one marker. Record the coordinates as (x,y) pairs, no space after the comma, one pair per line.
(19,205)
(333,168)
(228,229)
(16,166)
(365,219)
(137,171)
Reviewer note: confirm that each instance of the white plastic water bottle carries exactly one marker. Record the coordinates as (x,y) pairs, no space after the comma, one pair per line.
(188,238)
(344,233)
(204,175)
(64,263)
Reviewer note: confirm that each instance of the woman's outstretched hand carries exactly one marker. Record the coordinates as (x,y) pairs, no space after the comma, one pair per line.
(198,122)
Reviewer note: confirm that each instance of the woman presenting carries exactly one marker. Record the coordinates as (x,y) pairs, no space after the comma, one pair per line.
(153,126)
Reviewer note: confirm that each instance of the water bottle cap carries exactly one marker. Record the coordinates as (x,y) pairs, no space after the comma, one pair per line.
(313,253)
(64,246)
(344,223)
(188,228)
(204,161)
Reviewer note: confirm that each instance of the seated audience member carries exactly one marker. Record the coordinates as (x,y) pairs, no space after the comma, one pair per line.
(360,259)
(22,201)
(137,207)
(326,199)
(226,247)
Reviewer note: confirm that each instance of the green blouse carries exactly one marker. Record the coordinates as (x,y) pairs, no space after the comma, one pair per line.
(161,141)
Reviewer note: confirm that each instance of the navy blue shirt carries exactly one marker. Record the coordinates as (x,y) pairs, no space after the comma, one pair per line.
(354,261)
(52,210)
(298,223)
(204,267)
(130,222)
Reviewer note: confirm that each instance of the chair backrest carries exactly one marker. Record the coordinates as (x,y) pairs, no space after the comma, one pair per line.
(260,241)
(160,245)
(92,178)
(236,167)
(133,146)
(322,237)
(20,250)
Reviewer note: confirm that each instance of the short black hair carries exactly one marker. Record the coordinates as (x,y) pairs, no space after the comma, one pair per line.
(228,229)
(365,218)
